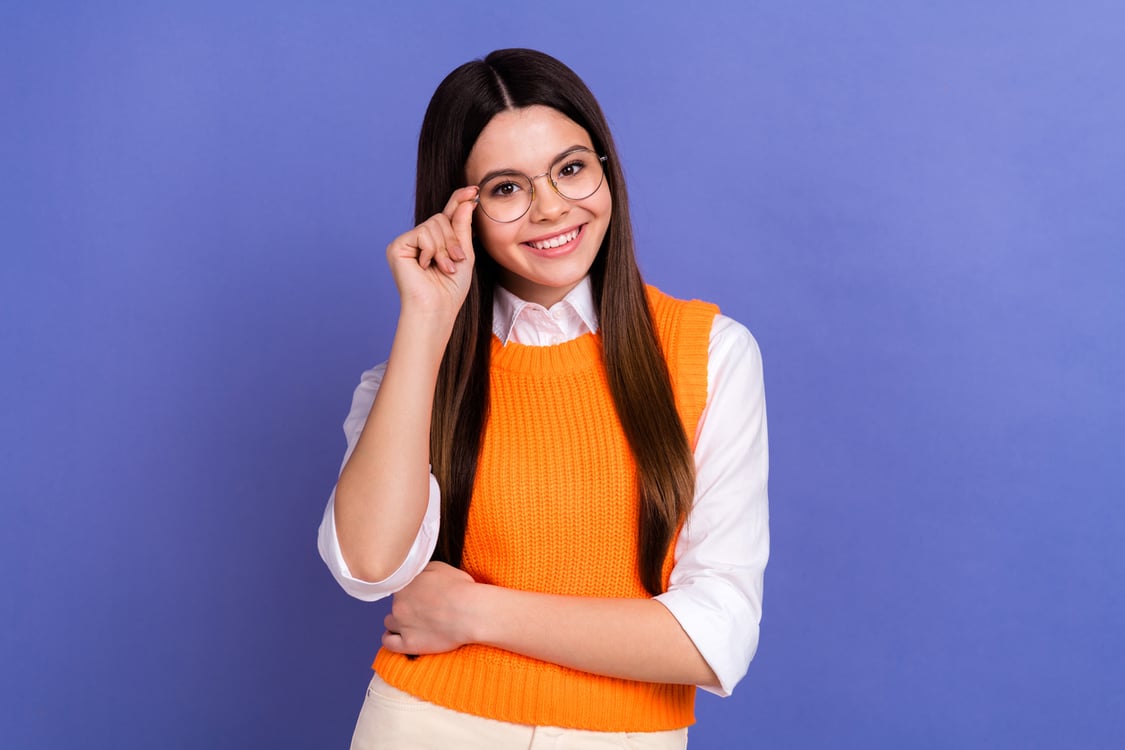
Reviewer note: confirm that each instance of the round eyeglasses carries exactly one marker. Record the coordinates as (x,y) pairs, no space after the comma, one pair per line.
(506,196)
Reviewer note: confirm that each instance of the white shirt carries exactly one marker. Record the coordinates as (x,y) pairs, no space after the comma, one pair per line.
(715,591)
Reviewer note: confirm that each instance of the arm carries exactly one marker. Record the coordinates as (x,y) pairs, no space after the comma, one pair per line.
(703,630)
(636,639)
(382,493)
(327,540)
(715,590)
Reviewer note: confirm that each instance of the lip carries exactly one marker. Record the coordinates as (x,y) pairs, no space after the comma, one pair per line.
(555,252)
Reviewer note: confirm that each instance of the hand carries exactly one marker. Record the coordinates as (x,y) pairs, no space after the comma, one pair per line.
(432,263)
(430,616)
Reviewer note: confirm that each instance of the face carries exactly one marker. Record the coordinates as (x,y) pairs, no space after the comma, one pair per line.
(535,263)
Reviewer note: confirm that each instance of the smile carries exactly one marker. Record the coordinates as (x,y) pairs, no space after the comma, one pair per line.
(552,242)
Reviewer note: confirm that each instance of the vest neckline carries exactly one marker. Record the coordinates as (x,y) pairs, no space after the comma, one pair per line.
(582,353)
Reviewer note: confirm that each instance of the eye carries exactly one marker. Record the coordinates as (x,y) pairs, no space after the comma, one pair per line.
(571,168)
(504,189)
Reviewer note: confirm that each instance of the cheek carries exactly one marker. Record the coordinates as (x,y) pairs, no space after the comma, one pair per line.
(608,208)
(602,209)
(602,205)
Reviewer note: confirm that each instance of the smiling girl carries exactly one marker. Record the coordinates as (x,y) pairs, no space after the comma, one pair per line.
(559,473)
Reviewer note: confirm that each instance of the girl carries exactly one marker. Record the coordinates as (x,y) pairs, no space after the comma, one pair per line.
(559,473)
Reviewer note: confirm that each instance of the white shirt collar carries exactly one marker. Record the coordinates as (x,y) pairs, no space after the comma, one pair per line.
(523,322)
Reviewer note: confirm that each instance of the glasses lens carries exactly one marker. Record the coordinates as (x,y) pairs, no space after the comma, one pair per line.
(578,175)
(505,197)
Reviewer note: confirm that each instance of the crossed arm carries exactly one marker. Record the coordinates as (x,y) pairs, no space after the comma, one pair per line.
(638,639)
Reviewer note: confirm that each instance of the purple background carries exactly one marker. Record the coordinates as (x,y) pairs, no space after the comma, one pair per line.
(916,207)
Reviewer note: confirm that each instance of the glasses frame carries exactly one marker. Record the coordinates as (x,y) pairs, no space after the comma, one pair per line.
(554,185)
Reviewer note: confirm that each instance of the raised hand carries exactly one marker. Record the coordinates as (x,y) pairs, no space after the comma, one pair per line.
(432,263)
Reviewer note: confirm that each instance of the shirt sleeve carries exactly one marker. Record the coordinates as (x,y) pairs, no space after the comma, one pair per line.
(329,544)
(715,591)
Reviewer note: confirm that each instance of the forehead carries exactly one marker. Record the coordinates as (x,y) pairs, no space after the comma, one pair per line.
(526,140)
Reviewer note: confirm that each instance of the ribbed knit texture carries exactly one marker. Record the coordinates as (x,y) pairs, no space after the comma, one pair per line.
(554,510)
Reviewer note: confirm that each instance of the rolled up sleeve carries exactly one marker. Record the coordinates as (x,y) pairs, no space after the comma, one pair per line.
(715,591)
(328,542)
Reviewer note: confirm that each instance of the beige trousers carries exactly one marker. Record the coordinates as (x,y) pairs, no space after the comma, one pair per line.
(394,720)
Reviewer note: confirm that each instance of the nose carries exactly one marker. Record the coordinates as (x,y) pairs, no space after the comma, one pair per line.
(546,203)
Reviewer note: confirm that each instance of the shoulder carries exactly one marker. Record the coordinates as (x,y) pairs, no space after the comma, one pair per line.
(727,338)
(661,303)
(730,340)
(677,320)
(734,366)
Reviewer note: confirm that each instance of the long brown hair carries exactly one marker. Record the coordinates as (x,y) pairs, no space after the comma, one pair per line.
(462,106)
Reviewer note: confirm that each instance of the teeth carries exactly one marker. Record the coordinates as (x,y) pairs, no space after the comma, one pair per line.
(562,239)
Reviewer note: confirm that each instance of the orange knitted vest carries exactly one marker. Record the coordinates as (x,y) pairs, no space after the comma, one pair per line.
(554,509)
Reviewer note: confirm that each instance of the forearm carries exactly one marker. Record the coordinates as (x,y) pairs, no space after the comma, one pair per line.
(383,489)
(635,639)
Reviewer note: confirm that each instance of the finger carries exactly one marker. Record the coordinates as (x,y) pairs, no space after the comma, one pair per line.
(441,237)
(459,196)
(428,245)
(393,642)
(462,223)
(452,243)
(405,245)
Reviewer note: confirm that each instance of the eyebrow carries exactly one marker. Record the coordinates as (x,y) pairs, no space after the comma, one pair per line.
(515,172)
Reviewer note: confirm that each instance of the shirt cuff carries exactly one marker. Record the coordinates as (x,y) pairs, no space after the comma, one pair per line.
(419,555)
(726,639)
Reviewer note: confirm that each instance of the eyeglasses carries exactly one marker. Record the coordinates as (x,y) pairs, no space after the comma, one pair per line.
(506,196)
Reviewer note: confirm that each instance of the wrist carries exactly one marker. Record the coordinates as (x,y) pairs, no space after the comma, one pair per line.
(436,319)
(425,331)
(437,313)
(476,605)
